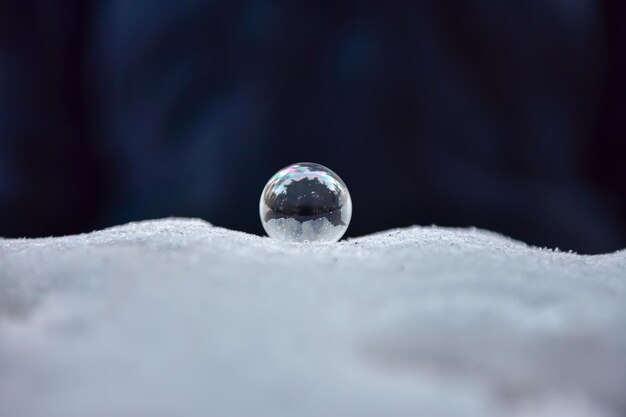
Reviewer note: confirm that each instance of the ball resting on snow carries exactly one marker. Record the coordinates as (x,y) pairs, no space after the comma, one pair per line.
(305,202)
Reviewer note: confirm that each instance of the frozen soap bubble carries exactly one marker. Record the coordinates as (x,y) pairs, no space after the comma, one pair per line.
(305,202)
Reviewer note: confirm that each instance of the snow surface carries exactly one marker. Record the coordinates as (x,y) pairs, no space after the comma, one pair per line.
(178,318)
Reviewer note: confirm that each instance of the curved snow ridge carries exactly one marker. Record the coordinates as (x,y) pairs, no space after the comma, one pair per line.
(187,230)
(180,318)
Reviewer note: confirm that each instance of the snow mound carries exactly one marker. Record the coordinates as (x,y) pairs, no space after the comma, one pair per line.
(176,317)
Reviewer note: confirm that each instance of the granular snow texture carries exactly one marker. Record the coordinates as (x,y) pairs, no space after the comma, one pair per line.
(179,318)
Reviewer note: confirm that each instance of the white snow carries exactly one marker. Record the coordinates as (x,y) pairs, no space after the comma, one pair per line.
(178,318)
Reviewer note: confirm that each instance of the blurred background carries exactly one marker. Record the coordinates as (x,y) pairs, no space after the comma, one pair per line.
(505,115)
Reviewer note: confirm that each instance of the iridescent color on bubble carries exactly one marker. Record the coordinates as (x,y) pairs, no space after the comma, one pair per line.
(305,202)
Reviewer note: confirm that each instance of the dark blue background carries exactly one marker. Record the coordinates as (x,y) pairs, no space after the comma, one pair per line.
(506,115)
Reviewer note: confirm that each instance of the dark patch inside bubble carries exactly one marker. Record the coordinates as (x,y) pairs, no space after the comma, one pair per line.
(304,200)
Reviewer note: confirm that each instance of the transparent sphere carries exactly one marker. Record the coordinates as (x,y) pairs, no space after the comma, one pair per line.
(305,202)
